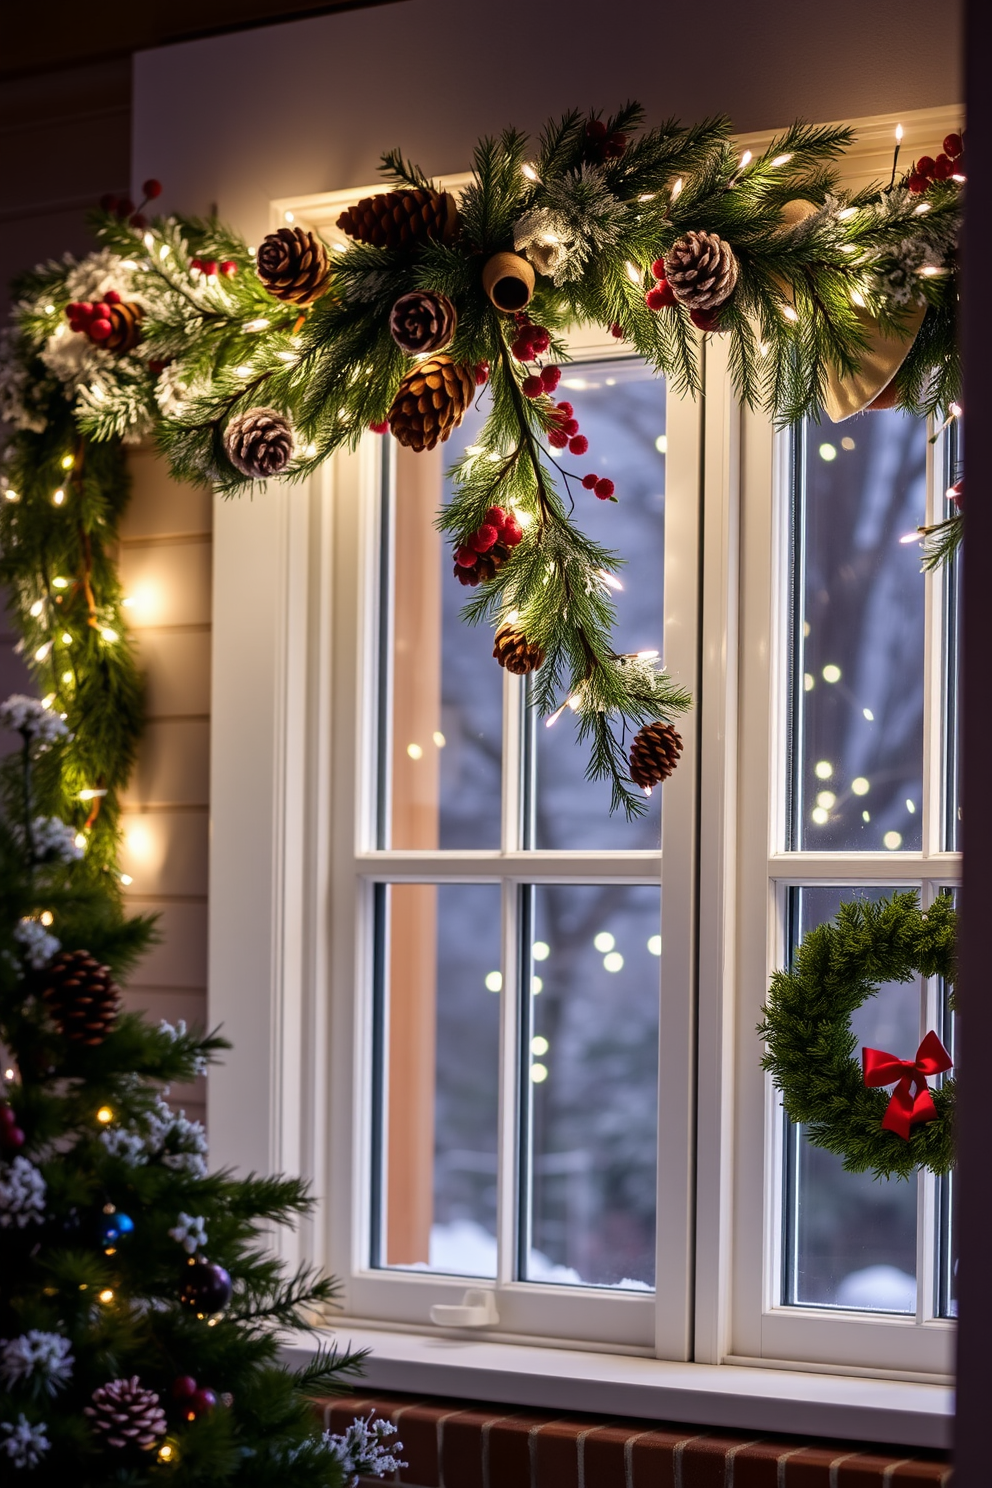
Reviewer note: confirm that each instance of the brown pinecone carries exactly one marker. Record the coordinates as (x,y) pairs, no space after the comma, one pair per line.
(293,265)
(421,321)
(654,754)
(259,443)
(125,323)
(126,1414)
(81,997)
(702,270)
(398,219)
(484,567)
(431,401)
(515,652)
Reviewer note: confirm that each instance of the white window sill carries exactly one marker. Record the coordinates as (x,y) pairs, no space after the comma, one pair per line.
(728,1395)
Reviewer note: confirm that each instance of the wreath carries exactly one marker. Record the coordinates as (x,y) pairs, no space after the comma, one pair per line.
(842,1103)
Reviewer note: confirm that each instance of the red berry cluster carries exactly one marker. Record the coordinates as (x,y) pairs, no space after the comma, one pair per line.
(564,430)
(663,294)
(602,145)
(475,559)
(601,486)
(481,373)
(950,162)
(11,1135)
(211,268)
(531,340)
(93,320)
(124,206)
(193,1400)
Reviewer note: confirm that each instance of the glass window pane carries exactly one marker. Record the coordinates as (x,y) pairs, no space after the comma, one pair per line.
(590,1071)
(850,1238)
(621,409)
(858,746)
(954,468)
(441,733)
(437,1039)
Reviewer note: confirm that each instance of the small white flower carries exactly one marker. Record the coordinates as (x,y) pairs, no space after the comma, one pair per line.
(48,1355)
(39,946)
(22,1194)
(190,1231)
(24,1444)
(126,1144)
(361,1452)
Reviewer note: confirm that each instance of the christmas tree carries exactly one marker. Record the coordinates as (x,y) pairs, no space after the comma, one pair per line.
(140,1313)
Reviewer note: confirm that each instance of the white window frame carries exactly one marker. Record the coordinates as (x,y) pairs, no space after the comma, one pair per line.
(293,618)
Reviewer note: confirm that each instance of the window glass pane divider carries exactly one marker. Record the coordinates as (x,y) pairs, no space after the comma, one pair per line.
(523,867)
(839,868)
(509,1143)
(933,649)
(515,789)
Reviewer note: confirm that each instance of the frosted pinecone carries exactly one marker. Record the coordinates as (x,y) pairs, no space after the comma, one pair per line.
(22,1194)
(545,239)
(45,1356)
(23,1443)
(126,1414)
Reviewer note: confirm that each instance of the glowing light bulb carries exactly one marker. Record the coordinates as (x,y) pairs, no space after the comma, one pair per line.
(415,751)
(104,1115)
(43,652)
(68,461)
(539,1044)
(613,961)
(529,171)
(782,159)
(898,134)
(654,945)
(106,1295)
(109,635)
(494,981)
(823,769)
(831,673)
(60,583)
(633,273)
(289,217)
(36,608)
(539,1073)
(540,950)
(58,497)
(46,917)
(789,313)
(10,495)
(66,638)
(860,785)
(604,941)
(746,159)
(126,880)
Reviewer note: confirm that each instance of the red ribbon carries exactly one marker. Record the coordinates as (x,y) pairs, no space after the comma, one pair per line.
(911,1100)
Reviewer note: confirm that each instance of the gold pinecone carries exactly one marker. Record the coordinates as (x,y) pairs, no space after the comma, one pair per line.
(654,754)
(431,401)
(125,327)
(81,997)
(398,219)
(293,265)
(515,652)
(702,270)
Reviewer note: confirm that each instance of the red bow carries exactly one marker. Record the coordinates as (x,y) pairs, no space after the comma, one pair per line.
(911,1100)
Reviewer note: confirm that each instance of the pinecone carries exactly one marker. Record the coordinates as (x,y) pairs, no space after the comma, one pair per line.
(127,1414)
(398,219)
(702,270)
(294,265)
(654,754)
(431,401)
(125,322)
(485,566)
(422,321)
(259,443)
(82,997)
(515,652)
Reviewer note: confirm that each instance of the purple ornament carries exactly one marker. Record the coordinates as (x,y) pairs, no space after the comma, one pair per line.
(206,1288)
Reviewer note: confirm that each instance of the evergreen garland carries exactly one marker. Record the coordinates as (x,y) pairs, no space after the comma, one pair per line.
(807,1029)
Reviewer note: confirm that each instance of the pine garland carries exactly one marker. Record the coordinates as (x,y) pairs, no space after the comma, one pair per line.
(807,1029)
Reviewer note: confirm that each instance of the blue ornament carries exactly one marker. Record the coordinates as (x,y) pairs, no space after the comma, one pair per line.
(115,1227)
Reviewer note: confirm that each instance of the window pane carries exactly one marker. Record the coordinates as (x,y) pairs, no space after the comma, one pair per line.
(590,1072)
(952,652)
(850,1238)
(436,1087)
(621,409)
(441,733)
(858,746)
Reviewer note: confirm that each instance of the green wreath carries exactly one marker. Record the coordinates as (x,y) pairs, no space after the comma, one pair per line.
(810,1046)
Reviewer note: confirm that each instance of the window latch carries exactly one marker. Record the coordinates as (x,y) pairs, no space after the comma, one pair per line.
(477,1309)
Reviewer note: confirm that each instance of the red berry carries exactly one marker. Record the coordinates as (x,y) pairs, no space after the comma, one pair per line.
(99,329)
(229,268)
(481,374)
(595,129)
(483,539)
(943,168)
(558,439)
(101,311)
(152,188)
(7,1116)
(183,1387)
(111,297)
(382,428)
(137,220)
(707,320)
(202,1401)
(108,202)
(512,532)
(540,341)
(589,481)
(658,269)
(196,263)
(615,145)
(496,517)
(924,166)
(604,488)
(578,445)
(532,387)
(124,207)
(12,1138)
(570,427)
(522,349)
(655,298)
(917,183)
(551,377)
(465,557)
(617,330)
(953,146)
(209,266)
(564,409)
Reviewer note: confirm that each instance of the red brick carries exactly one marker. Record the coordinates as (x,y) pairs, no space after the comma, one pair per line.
(704,1461)
(652,1457)
(603,1456)
(756,1465)
(418,1431)
(341,1411)
(867,1469)
(809,1467)
(462,1447)
(555,1455)
(921,1472)
(509,1450)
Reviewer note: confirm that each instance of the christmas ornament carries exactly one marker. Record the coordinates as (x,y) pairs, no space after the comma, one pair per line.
(184,1387)
(11,1135)
(422,322)
(702,270)
(431,401)
(401,219)
(509,281)
(654,754)
(114,1228)
(293,264)
(259,443)
(126,1414)
(515,652)
(190,1231)
(206,1288)
(81,997)
(807,1032)
(202,1401)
